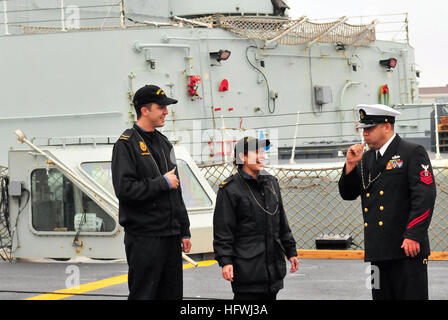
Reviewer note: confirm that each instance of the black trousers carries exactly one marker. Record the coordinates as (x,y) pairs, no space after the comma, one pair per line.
(254,296)
(405,279)
(155,267)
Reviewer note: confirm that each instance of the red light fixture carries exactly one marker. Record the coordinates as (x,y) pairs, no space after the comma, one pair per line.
(224,86)
(223,55)
(392,62)
(389,63)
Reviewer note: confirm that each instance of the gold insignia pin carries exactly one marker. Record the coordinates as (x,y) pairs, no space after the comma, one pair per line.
(124,137)
(143,146)
(362,114)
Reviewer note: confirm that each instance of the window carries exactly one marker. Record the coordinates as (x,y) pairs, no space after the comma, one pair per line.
(101,173)
(192,191)
(58,205)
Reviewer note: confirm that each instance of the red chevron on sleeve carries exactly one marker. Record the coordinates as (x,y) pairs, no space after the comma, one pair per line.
(418,219)
(426,177)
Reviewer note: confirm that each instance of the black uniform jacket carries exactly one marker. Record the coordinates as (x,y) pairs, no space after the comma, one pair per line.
(397,201)
(253,241)
(147,205)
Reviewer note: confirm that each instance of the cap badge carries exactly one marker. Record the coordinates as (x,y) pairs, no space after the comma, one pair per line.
(362,114)
(160,92)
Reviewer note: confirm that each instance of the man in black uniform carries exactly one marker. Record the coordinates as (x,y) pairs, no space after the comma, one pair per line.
(151,207)
(251,232)
(396,184)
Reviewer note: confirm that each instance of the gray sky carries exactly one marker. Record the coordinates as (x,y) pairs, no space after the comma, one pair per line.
(428,27)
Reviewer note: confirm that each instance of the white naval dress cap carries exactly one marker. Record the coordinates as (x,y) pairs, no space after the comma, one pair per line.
(372,114)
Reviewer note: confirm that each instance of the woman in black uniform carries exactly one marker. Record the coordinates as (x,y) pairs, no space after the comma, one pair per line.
(251,232)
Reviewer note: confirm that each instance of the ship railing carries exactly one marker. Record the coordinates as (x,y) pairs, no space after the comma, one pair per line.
(61,17)
(19,18)
(294,31)
(63,141)
(347,30)
(390,27)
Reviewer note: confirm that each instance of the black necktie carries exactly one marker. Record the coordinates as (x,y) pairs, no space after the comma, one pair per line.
(378,156)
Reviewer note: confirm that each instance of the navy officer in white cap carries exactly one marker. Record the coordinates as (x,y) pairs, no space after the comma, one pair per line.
(396,183)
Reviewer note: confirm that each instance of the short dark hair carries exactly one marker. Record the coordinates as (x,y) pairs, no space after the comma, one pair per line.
(249,143)
(238,164)
(138,110)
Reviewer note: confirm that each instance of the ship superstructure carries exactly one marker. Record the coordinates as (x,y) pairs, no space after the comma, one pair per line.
(70,68)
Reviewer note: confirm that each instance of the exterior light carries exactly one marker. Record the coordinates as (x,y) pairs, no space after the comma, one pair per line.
(223,55)
(389,63)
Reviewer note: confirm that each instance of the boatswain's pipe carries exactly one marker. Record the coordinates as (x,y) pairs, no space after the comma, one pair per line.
(21,138)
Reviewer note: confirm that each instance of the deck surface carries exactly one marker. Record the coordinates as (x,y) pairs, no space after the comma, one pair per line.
(316,279)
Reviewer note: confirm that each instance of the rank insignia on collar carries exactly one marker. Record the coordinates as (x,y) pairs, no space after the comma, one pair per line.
(143,146)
